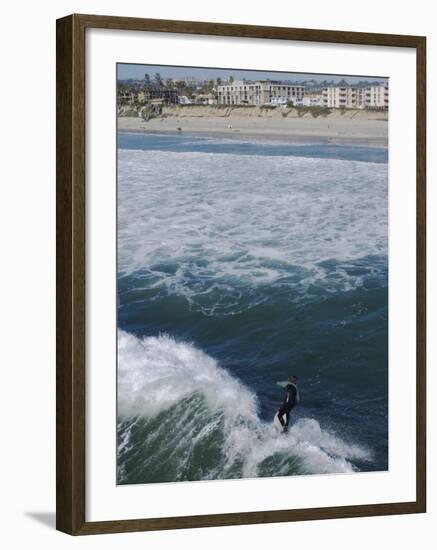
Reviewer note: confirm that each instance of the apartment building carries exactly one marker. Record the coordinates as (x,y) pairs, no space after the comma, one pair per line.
(147,96)
(261,92)
(376,97)
(349,97)
(345,97)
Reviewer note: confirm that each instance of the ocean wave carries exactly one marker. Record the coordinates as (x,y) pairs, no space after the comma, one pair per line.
(182,417)
(238,144)
(214,227)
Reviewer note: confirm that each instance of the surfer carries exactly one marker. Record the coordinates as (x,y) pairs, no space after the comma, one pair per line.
(291,399)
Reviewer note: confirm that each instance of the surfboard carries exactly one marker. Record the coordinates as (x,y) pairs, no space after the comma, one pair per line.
(276,422)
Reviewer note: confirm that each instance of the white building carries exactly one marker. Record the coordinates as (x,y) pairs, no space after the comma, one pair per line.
(342,97)
(349,97)
(261,92)
(279,101)
(310,100)
(205,99)
(376,97)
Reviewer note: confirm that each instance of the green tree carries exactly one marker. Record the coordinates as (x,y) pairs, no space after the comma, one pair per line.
(231,79)
(147,82)
(158,80)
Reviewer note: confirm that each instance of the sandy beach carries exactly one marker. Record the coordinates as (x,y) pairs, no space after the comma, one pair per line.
(349,126)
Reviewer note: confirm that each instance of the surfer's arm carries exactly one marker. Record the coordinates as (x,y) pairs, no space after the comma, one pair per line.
(282,384)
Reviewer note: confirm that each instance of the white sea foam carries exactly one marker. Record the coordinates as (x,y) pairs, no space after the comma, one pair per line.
(158,374)
(155,373)
(196,223)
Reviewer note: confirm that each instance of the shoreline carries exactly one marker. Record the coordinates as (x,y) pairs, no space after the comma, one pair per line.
(282,138)
(335,130)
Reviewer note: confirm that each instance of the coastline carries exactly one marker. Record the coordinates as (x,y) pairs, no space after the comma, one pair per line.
(359,128)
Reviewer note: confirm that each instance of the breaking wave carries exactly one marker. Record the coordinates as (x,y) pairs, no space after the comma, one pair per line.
(183,417)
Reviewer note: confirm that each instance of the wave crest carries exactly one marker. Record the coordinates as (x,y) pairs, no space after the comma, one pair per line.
(182,417)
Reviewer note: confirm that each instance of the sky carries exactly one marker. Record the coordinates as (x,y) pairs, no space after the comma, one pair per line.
(126,71)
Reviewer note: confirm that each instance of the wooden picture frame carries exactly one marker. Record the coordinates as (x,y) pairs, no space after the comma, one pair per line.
(71,254)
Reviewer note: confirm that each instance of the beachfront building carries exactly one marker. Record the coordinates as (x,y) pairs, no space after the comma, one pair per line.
(205,99)
(130,96)
(167,96)
(310,99)
(143,96)
(349,97)
(376,97)
(279,101)
(260,92)
(125,96)
(343,97)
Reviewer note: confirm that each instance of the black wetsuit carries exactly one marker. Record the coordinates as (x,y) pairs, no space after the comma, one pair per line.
(287,405)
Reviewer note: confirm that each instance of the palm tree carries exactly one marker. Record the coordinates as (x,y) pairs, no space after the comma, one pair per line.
(219,81)
(147,82)
(231,79)
(158,80)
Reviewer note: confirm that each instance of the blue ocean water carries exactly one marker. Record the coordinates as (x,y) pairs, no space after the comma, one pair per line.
(241,262)
(242,146)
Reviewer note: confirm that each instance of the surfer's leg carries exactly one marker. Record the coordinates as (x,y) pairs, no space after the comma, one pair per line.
(281,414)
(287,418)
(287,414)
